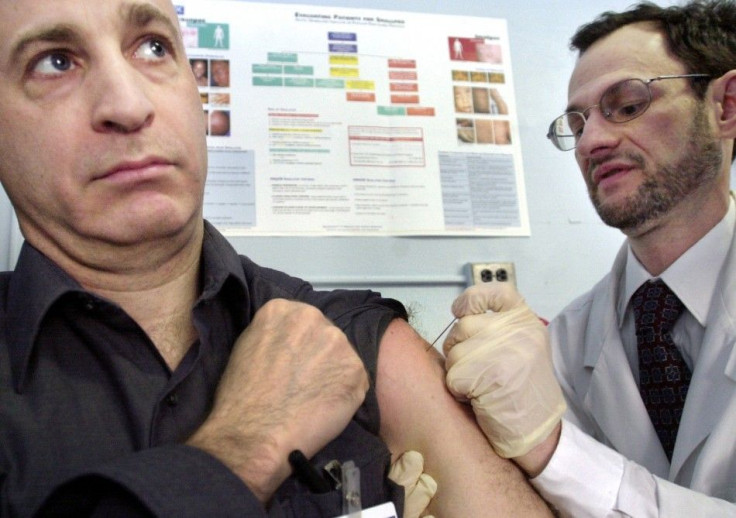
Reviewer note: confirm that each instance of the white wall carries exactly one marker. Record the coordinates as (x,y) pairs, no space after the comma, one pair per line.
(569,249)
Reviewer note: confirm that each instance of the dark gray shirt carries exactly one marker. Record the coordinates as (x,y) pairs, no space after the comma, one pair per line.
(91,415)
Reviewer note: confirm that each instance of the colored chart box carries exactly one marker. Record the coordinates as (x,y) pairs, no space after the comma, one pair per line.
(361,97)
(391,110)
(299,81)
(329,83)
(297,70)
(267,81)
(282,57)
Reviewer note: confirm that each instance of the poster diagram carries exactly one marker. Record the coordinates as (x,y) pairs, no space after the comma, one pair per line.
(335,121)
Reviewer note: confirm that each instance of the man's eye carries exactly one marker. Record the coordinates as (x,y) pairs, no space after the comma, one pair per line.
(576,127)
(152,49)
(53,64)
(629,110)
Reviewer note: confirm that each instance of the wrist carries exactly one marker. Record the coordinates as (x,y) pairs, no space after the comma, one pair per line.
(534,461)
(254,460)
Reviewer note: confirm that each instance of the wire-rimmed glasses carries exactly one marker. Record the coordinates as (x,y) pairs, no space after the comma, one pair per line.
(620,102)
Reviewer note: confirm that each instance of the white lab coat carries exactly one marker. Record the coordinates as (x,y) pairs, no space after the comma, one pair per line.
(604,399)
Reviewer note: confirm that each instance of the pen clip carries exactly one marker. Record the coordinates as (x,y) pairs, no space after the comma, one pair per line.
(333,473)
(350,488)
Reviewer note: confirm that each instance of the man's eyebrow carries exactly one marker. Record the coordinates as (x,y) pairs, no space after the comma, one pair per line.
(55,34)
(136,14)
(141,15)
(576,107)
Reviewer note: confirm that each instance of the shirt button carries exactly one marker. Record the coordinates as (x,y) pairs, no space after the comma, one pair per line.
(87,302)
(172,400)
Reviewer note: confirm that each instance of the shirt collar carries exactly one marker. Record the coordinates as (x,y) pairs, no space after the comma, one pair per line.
(220,262)
(37,283)
(693,276)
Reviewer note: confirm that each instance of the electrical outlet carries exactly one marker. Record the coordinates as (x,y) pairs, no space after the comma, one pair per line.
(479,273)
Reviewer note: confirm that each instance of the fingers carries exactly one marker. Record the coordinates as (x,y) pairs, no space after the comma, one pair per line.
(303,367)
(493,296)
(419,487)
(418,499)
(407,469)
(501,362)
(466,327)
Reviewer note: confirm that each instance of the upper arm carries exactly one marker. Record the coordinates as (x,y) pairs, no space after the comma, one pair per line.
(418,413)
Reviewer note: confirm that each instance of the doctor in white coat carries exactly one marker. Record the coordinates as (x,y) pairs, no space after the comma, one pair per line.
(651,117)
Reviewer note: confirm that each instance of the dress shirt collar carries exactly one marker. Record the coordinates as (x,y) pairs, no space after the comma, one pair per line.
(693,276)
(35,285)
(38,283)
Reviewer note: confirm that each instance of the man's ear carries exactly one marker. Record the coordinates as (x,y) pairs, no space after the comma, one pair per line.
(724,95)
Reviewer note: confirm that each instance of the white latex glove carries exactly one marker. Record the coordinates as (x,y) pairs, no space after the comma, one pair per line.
(500,361)
(419,487)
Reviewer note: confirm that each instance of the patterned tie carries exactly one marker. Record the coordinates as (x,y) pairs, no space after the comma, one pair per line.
(664,376)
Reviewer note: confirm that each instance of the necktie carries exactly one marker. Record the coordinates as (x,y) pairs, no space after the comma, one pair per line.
(664,376)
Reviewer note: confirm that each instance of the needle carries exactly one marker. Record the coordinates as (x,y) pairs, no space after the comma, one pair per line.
(442,333)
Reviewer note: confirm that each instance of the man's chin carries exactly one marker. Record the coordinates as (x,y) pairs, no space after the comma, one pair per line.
(132,231)
(618,215)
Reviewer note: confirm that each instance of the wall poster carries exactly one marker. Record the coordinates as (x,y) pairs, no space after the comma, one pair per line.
(337,121)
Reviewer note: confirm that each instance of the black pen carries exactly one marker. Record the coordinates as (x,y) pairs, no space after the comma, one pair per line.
(307,473)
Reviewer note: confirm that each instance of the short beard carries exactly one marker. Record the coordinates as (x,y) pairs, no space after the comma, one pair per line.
(669,185)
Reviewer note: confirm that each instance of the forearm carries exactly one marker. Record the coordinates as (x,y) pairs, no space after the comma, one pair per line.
(253,458)
(534,462)
(472,479)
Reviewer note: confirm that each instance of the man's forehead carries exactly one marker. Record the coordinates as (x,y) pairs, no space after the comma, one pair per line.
(634,51)
(22,15)
(23,22)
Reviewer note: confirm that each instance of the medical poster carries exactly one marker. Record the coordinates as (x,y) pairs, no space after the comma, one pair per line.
(336,121)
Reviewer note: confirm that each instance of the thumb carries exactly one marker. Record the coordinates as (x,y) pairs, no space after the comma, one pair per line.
(466,328)
(407,469)
(419,487)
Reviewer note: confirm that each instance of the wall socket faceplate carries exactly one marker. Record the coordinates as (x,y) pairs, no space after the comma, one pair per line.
(479,273)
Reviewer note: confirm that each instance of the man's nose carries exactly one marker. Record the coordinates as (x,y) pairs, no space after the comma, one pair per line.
(121,100)
(598,133)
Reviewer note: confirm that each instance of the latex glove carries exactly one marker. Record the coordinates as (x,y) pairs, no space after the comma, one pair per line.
(500,361)
(419,487)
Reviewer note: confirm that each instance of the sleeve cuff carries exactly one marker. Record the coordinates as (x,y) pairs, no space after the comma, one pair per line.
(583,476)
(174,480)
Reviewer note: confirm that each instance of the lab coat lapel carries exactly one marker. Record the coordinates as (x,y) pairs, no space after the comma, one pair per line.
(613,397)
(713,384)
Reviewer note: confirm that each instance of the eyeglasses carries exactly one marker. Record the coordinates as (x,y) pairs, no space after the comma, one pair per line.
(621,102)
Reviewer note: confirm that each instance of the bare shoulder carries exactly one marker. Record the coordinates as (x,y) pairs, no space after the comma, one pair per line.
(418,413)
(401,348)
(411,387)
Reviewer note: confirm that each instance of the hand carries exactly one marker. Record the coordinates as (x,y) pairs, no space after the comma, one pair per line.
(419,487)
(500,361)
(293,382)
